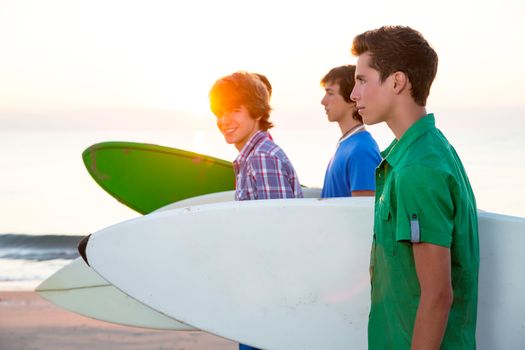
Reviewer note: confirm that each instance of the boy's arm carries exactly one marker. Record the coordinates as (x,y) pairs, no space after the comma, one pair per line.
(434,274)
(361,167)
(425,212)
(363,193)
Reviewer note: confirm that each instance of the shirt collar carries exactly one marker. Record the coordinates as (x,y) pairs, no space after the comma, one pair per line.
(355,131)
(393,153)
(253,142)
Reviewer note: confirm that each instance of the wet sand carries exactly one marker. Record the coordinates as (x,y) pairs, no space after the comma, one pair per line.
(29,322)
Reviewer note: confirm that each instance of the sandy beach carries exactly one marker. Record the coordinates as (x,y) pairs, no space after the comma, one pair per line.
(28,321)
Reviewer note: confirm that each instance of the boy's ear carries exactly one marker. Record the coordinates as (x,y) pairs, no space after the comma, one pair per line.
(400,82)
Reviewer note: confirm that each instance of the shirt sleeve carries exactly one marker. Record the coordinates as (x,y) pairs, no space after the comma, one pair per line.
(269,178)
(425,209)
(361,169)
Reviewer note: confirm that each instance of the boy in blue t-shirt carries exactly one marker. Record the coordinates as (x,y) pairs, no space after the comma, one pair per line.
(351,171)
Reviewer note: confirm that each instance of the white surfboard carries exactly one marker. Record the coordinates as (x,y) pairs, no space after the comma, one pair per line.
(272,274)
(501,302)
(226,196)
(78,288)
(288,273)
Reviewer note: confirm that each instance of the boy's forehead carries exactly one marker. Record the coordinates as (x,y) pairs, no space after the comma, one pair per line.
(331,85)
(363,62)
(226,106)
(224,98)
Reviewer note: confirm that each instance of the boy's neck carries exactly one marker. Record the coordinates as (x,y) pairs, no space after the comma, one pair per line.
(241,145)
(348,125)
(348,122)
(402,119)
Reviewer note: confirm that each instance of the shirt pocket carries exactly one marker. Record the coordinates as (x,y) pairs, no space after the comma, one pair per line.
(385,228)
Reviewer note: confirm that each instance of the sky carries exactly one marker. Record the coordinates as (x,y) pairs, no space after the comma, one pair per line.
(145,67)
(63,58)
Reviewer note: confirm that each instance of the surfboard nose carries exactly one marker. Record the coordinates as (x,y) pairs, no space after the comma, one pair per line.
(82,248)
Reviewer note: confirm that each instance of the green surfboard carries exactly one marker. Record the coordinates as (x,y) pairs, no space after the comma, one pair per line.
(146,177)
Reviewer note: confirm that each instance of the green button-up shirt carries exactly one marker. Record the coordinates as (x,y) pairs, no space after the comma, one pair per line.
(422,195)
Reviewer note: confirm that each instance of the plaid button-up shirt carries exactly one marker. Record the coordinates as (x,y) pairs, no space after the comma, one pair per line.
(263,171)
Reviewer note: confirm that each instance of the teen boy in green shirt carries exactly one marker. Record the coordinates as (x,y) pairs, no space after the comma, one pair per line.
(425,254)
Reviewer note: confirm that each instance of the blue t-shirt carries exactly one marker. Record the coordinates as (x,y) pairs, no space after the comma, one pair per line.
(352,167)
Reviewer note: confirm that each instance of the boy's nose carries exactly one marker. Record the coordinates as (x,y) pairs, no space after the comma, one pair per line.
(353,95)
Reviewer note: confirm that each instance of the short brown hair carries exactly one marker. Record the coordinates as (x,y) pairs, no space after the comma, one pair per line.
(400,49)
(344,76)
(266,83)
(242,89)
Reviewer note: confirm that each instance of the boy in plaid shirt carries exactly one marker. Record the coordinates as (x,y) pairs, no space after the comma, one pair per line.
(262,170)
(241,103)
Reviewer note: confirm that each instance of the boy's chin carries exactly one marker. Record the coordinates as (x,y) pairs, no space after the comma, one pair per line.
(229,141)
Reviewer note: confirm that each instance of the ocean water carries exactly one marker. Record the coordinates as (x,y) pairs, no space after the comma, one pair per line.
(26,260)
(48,200)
